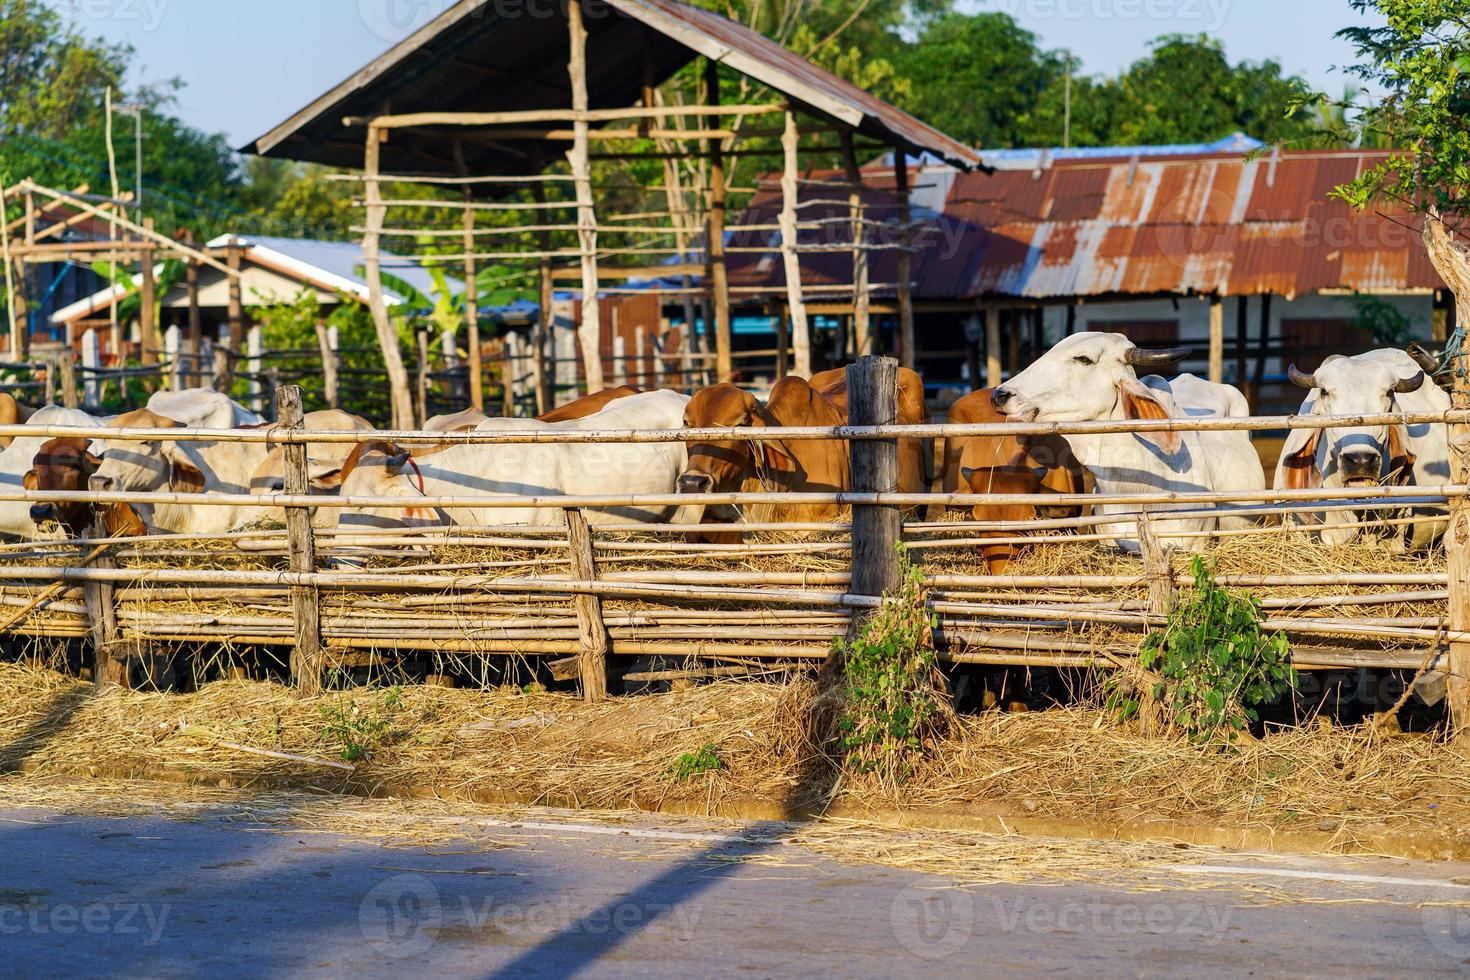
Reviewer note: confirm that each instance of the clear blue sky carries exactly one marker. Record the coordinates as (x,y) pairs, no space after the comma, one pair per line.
(248,64)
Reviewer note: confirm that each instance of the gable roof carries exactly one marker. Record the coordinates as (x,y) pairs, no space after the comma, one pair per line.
(481,55)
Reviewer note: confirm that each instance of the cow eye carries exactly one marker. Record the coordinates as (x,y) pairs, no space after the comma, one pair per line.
(1084,359)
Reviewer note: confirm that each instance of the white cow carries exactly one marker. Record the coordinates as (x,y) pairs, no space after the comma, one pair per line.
(194,466)
(1092,377)
(524,469)
(15,462)
(462,421)
(1374,383)
(202,408)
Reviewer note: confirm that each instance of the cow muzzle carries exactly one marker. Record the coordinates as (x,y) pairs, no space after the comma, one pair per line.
(696,483)
(1360,468)
(100,484)
(43,513)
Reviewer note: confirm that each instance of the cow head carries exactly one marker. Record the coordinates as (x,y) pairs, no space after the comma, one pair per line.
(145,466)
(1090,376)
(1360,455)
(67,464)
(382,469)
(722,466)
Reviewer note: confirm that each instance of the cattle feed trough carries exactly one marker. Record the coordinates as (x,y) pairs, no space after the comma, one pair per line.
(470,597)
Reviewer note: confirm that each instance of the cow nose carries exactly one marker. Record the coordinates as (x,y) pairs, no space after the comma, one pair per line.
(1361,463)
(102,484)
(998,399)
(40,513)
(695,483)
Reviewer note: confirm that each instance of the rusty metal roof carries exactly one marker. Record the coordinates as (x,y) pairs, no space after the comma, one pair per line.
(484,56)
(1203,224)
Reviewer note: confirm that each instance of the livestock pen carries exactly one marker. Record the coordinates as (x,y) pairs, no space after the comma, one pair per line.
(592,602)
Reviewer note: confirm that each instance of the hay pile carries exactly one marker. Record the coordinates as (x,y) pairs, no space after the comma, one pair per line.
(1353,786)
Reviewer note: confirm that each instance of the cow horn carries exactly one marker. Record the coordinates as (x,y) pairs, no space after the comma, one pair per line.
(1138,357)
(1405,385)
(1299,379)
(1427,361)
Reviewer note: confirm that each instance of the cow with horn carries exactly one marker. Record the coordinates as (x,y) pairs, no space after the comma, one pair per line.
(1091,377)
(1378,382)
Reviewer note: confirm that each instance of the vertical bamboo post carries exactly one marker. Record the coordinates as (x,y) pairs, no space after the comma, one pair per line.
(399,396)
(102,614)
(1157,567)
(421,338)
(1217,339)
(172,343)
(328,349)
(147,315)
(472,311)
(580,159)
(801,335)
(20,309)
(715,231)
(507,381)
(992,346)
(225,380)
(195,376)
(592,631)
(66,368)
(253,365)
(872,398)
(541,330)
(907,349)
(307,657)
(862,324)
(15,339)
(91,361)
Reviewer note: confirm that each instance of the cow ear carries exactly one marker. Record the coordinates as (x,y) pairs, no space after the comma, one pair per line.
(327,481)
(778,457)
(30,481)
(1140,402)
(396,463)
(1400,458)
(1300,468)
(185,478)
(91,461)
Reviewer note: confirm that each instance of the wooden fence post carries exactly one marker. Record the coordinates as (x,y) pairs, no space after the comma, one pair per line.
(66,369)
(421,406)
(172,350)
(102,616)
(307,659)
(1157,567)
(253,349)
(591,630)
(1217,339)
(91,358)
(872,393)
(326,341)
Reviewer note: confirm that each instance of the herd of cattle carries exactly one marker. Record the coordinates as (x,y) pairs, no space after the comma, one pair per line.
(1085,377)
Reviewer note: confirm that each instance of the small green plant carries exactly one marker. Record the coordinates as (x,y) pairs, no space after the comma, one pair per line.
(1213,663)
(692,764)
(359,729)
(1387,325)
(892,703)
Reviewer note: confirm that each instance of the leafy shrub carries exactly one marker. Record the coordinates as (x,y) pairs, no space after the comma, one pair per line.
(1212,664)
(360,729)
(692,764)
(892,697)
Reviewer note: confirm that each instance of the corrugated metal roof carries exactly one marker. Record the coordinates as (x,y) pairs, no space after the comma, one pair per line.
(480,56)
(1202,224)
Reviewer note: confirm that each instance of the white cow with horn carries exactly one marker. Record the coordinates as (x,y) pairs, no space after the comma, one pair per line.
(1378,382)
(1090,377)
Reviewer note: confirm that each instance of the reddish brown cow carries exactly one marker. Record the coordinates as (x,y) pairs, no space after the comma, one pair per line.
(12,412)
(1004,464)
(916,456)
(588,404)
(66,464)
(801,465)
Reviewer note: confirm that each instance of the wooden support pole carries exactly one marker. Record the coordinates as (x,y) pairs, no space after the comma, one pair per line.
(992,346)
(1157,567)
(872,396)
(421,338)
(196,324)
(16,342)
(541,378)
(591,629)
(147,314)
(225,370)
(1217,339)
(590,330)
(308,655)
(400,397)
(328,349)
(907,342)
(66,370)
(102,613)
(715,235)
(472,311)
(862,324)
(801,336)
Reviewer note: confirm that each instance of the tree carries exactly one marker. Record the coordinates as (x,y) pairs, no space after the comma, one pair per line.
(1420,58)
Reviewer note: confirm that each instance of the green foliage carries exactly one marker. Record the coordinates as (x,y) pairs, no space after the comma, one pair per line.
(1387,324)
(892,700)
(1419,56)
(359,724)
(1214,662)
(692,764)
(292,326)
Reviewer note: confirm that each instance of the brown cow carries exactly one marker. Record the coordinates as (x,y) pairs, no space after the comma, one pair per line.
(916,456)
(797,466)
(12,412)
(588,404)
(1004,464)
(66,464)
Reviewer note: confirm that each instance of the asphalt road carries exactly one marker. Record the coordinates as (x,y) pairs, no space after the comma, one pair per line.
(222,896)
